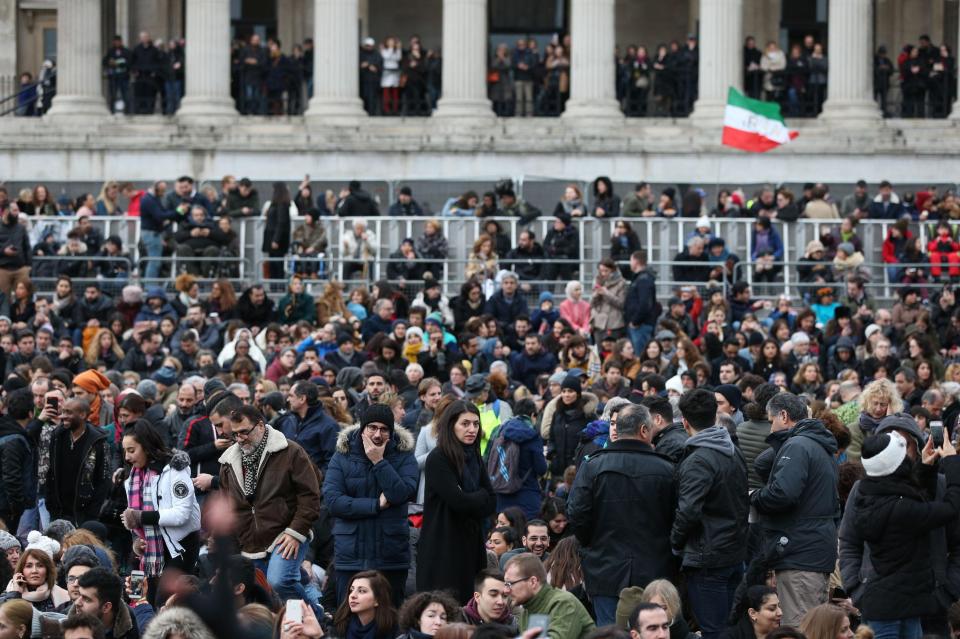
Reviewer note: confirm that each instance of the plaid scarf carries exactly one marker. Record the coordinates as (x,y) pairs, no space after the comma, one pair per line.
(142,485)
(251,463)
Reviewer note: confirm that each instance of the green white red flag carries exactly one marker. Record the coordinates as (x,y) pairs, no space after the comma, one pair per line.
(753,125)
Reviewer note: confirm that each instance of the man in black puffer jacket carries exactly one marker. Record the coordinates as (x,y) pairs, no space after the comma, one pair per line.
(856,566)
(711,520)
(799,507)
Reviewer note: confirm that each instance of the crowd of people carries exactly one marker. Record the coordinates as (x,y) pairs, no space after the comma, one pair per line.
(387,461)
(405,79)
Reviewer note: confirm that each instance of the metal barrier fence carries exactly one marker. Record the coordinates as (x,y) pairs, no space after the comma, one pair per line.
(662,238)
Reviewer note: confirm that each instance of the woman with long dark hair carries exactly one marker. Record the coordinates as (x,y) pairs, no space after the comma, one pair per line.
(367,612)
(163,513)
(276,231)
(458,499)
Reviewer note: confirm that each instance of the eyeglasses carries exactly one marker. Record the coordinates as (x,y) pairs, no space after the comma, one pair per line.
(242,433)
(374,430)
(72,579)
(510,584)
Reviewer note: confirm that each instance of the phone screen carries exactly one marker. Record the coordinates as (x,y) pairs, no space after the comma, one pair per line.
(542,622)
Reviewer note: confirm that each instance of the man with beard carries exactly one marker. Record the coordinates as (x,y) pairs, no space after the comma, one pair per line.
(174,424)
(536,540)
(79,475)
(14,250)
(275,491)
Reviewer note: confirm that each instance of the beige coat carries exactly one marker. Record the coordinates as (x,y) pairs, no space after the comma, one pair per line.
(606,309)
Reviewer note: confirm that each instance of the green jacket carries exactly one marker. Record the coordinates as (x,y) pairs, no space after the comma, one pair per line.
(568,618)
(849,413)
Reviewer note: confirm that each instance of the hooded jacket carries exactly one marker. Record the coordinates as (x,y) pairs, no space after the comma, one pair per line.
(561,426)
(367,537)
(178,513)
(711,520)
(532,466)
(287,498)
(147,312)
(895,517)
(799,506)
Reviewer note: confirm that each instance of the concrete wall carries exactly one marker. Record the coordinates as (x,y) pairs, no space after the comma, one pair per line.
(403,19)
(643,24)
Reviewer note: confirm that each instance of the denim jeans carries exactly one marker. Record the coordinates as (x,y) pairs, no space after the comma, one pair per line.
(283,575)
(153,243)
(896,628)
(605,608)
(639,336)
(711,593)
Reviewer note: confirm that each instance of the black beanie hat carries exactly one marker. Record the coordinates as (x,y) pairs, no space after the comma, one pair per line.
(573,383)
(377,413)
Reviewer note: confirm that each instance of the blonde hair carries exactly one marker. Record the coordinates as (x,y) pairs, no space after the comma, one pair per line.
(92,354)
(878,390)
(823,622)
(110,205)
(667,592)
(83,537)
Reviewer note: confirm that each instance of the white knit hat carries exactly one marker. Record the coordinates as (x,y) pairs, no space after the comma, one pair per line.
(39,541)
(887,460)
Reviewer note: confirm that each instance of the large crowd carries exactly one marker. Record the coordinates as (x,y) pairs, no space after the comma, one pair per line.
(387,461)
(397,78)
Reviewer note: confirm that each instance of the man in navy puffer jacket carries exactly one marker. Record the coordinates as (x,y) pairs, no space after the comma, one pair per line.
(369,481)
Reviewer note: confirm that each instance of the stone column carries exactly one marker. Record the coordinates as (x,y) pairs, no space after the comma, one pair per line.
(8,39)
(593,92)
(955,113)
(721,56)
(336,62)
(850,55)
(464,60)
(208,63)
(79,50)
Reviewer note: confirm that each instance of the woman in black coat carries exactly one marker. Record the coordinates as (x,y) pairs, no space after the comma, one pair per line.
(894,513)
(276,231)
(458,499)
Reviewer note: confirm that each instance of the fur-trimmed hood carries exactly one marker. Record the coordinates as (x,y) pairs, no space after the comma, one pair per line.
(590,403)
(179,460)
(177,620)
(402,439)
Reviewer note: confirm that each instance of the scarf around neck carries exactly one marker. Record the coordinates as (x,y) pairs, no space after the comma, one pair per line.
(143,482)
(251,463)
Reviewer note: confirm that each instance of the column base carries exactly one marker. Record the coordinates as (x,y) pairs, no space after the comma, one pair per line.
(851,112)
(708,112)
(205,110)
(322,111)
(77,106)
(955,112)
(589,110)
(464,109)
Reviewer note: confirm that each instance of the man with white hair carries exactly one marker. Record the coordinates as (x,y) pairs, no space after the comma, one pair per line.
(507,304)
(699,270)
(361,245)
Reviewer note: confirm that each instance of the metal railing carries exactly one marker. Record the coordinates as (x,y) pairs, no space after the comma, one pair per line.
(662,238)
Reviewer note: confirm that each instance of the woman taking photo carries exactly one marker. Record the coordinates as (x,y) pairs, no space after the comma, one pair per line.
(425,613)
(458,499)
(367,612)
(163,513)
(895,513)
